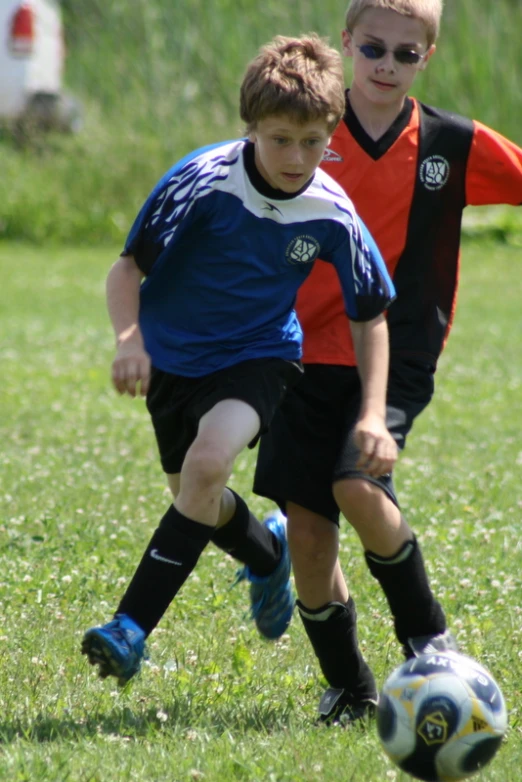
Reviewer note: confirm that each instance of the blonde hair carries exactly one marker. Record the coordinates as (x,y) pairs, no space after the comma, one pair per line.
(299,77)
(427,11)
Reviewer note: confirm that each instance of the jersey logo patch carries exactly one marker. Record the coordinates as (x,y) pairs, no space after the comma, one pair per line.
(302,249)
(331,157)
(434,172)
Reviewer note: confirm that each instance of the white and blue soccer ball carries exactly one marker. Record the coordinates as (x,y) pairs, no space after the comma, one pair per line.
(441,717)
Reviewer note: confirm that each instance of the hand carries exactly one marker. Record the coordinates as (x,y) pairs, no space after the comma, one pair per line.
(130,369)
(378,449)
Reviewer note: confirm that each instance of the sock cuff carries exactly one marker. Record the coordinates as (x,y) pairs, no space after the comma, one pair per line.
(325,612)
(405,551)
(242,511)
(192,529)
(227,535)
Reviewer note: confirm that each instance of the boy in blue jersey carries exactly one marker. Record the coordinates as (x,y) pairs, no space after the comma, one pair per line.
(202,300)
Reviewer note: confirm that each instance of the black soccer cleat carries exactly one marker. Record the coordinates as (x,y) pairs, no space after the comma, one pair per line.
(430,644)
(339,707)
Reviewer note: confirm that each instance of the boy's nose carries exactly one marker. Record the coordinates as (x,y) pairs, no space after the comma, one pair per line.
(295,155)
(387,63)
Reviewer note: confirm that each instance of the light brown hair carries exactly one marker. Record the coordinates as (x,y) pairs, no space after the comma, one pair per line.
(427,11)
(298,77)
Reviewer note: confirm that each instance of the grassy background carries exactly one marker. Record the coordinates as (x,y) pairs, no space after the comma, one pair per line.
(82,490)
(158,78)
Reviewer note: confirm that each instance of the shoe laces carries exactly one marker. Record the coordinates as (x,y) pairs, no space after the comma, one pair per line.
(258,606)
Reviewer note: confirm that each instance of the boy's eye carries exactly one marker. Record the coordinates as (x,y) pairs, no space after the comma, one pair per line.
(374,51)
(280,140)
(312,142)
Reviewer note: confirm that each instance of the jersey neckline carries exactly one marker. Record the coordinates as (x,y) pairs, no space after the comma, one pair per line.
(376,149)
(260,183)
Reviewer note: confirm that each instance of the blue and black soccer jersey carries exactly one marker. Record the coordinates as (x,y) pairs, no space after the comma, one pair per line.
(224,255)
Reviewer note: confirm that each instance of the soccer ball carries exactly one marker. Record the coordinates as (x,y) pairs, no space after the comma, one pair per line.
(441,717)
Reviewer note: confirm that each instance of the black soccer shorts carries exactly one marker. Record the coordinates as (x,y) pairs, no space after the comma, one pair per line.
(309,444)
(176,404)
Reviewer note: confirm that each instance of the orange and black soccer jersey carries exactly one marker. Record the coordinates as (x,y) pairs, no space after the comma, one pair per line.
(410,188)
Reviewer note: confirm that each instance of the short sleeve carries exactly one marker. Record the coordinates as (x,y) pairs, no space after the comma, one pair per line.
(367,287)
(494,172)
(143,241)
(166,214)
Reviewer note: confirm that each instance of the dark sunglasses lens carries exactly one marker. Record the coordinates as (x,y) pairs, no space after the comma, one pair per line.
(407,57)
(372,52)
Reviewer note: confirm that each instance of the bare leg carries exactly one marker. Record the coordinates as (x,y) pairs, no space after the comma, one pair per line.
(223,433)
(314,544)
(394,559)
(376,519)
(329,616)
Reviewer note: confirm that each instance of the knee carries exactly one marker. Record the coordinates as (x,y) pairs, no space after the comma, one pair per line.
(355,495)
(311,538)
(207,464)
(363,504)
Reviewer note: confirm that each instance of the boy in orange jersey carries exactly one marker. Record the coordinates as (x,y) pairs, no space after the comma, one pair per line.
(410,170)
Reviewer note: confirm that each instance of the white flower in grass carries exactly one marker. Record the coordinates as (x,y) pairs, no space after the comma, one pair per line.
(162,716)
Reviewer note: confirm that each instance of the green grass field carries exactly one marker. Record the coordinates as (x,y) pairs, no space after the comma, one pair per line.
(81,491)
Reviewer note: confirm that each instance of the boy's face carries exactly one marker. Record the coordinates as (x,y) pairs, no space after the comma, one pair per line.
(288,153)
(384,79)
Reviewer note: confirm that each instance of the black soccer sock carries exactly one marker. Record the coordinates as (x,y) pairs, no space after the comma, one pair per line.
(332,630)
(169,559)
(248,541)
(404,581)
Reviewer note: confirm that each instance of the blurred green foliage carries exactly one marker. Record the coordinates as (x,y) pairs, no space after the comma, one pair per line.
(157,78)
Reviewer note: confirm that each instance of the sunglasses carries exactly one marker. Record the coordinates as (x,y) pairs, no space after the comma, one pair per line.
(374,51)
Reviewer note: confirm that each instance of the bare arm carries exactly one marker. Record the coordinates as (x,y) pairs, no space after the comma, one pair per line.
(377,446)
(131,365)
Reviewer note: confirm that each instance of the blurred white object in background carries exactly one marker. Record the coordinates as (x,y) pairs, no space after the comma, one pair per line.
(32,56)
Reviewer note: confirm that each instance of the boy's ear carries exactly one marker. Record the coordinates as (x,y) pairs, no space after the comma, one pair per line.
(428,56)
(347,42)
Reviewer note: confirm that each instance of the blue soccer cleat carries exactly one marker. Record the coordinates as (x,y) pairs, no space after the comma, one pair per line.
(117,648)
(271,597)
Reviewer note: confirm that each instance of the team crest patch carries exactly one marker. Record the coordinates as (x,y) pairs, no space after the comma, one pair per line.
(302,249)
(434,172)
(330,156)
